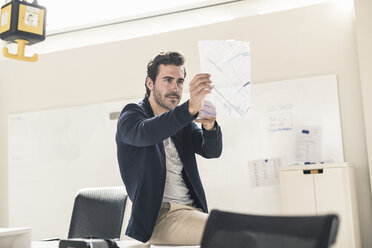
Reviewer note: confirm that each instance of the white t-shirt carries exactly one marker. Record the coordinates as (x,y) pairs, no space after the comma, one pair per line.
(175,188)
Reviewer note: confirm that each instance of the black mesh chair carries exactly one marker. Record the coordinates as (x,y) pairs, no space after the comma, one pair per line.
(98,213)
(232,230)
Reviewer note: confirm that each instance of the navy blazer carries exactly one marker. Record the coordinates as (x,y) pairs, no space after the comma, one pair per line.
(141,158)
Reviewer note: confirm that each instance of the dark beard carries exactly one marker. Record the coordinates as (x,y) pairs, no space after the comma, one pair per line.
(159,100)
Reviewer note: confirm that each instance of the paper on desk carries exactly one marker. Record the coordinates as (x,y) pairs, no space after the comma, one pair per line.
(229,63)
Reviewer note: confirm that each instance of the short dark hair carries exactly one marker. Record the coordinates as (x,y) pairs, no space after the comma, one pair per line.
(163,58)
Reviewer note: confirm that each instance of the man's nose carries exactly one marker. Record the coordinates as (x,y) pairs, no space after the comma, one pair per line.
(174,85)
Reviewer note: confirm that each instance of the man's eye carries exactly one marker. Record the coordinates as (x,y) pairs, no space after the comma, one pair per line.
(168,80)
(180,82)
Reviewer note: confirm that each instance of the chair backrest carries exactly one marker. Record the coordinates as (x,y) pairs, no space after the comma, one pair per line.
(233,230)
(98,213)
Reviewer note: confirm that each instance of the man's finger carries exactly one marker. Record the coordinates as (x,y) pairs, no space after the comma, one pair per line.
(205,120)
(201,84)
(203,75)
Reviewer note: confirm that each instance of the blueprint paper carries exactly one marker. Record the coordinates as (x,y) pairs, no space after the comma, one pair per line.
(229,64)
(208,110)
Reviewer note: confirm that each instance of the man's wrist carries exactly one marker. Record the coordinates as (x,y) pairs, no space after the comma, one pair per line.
(211,128)
(192,112)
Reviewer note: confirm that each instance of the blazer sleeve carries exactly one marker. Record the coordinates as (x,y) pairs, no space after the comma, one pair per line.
(208,144)
(136,128)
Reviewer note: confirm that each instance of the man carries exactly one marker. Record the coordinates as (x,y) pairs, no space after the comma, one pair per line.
(156,144)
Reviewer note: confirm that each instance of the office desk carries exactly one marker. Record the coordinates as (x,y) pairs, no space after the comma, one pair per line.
(121,244)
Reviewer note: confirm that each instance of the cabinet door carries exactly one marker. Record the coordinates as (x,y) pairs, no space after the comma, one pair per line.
(332,189)
(297,193)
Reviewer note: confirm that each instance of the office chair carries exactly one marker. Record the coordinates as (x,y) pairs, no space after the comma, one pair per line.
(232,230)
(98,213)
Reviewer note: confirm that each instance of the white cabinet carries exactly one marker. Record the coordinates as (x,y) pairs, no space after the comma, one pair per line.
(323,189)
(15,237)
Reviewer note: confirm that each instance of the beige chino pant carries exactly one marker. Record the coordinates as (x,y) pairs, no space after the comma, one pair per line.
(178,225)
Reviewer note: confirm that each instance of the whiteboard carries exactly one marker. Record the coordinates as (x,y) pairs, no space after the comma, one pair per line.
(54,153)
(264,135)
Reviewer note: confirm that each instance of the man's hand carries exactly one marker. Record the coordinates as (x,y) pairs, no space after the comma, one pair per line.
(208,124)
(200,86)
(207,115)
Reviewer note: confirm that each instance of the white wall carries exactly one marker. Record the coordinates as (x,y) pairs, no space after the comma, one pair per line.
(3,159)
(363,9)
(303,42)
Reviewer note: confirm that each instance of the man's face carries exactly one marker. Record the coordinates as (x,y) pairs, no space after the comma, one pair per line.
(167,90)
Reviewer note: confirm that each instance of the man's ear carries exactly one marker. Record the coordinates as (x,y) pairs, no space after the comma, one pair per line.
(149,83)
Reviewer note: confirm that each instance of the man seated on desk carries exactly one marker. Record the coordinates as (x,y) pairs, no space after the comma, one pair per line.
(156,145)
